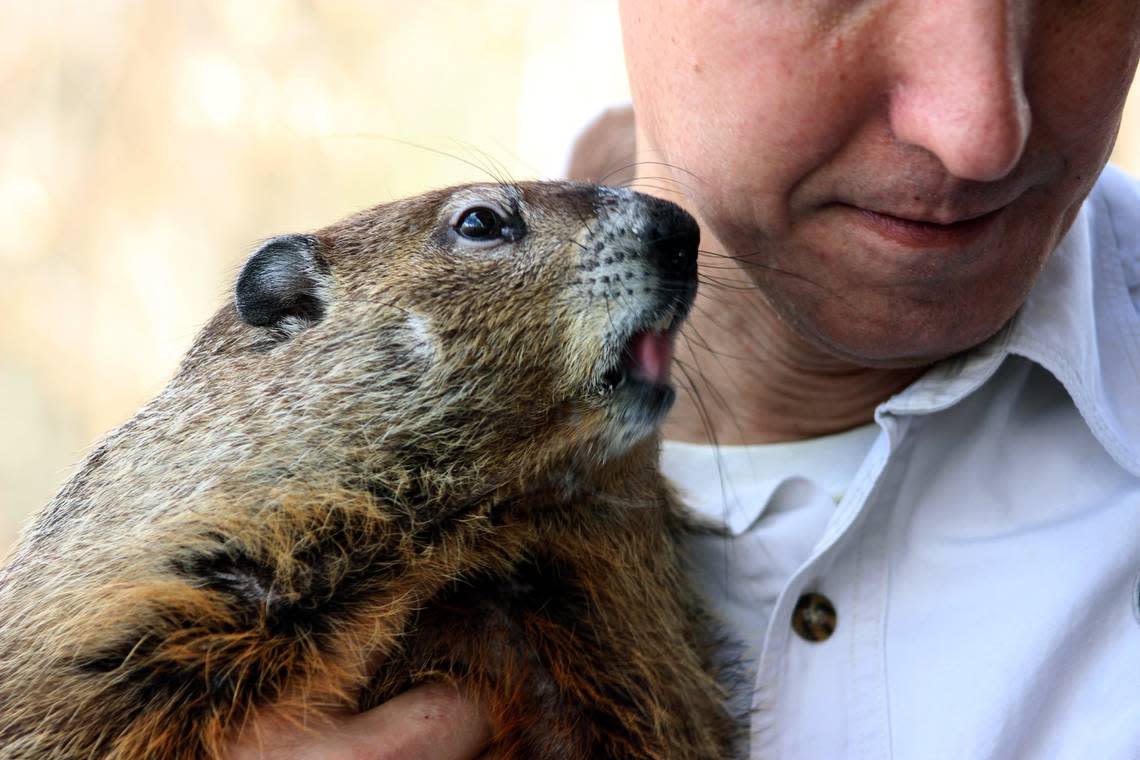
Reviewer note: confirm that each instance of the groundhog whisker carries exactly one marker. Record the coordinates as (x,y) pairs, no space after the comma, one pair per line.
(744,258)
(696,340)
(656,178)
(699,404)
(656,186)
(725,283)
(572,241)
(636,164)
(749,260)
(705,294)
(493,176)
(686,383)
(661,184)
(714,319)
(715,294)
(706,264)
(717,396)
(497,168)
(647,186)
(713,440)
(720,282)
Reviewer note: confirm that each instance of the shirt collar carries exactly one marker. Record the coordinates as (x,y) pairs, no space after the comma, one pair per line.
(1079,322)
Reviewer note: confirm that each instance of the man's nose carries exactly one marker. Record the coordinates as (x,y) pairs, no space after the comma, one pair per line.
(957,84)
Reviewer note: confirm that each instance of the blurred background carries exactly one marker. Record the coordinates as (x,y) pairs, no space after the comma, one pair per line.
(146,146)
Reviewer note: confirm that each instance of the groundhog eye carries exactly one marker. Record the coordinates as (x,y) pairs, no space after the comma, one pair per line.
(480,223)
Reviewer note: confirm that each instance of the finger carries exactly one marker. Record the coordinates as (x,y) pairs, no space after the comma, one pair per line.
(430,722)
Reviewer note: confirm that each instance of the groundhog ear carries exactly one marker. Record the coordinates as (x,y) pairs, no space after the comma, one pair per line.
(285,278)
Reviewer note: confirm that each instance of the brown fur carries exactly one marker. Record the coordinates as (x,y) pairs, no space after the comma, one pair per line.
(422,479)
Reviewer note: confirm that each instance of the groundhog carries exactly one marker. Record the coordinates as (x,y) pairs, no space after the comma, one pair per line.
(418,444)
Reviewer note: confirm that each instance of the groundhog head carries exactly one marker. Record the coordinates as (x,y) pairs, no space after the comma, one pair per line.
(492,328)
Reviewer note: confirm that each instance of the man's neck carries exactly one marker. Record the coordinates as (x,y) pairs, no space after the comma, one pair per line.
(744,377)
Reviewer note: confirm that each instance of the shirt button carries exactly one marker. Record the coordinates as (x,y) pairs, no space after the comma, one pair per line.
(814,617)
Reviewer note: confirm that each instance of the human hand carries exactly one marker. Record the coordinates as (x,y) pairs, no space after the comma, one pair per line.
(430,722)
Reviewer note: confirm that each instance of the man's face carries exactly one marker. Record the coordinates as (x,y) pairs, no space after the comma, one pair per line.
(898,169)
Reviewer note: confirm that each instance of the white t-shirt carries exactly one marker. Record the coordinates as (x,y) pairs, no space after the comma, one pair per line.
(983,559)
(797,486)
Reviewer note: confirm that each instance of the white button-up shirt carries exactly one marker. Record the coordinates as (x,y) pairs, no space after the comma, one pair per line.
(984,562)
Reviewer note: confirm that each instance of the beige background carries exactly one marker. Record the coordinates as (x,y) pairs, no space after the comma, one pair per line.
(146,146)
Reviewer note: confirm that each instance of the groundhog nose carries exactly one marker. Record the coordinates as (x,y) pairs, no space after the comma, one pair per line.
(673,238)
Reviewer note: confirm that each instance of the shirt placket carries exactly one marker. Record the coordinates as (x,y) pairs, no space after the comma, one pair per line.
(859,532)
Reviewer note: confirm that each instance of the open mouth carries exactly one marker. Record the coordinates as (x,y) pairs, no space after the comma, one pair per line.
(646,357)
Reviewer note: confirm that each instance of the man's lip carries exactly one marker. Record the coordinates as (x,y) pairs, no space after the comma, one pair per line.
(924,233)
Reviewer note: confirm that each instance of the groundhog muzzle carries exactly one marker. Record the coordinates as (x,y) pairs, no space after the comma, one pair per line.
(419,444)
